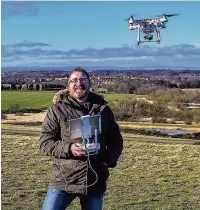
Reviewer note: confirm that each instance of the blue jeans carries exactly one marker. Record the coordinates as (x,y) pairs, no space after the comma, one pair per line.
(59,200)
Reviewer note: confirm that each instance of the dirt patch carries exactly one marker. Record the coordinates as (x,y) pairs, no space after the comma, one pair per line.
(27,117)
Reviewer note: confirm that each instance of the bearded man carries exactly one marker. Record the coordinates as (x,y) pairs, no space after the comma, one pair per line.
(74,173)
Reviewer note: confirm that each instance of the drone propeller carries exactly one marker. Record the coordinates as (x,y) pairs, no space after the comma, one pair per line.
(171,15)
(133,15)
(127,19)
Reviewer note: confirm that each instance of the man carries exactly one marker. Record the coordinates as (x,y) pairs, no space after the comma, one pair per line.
(75,174)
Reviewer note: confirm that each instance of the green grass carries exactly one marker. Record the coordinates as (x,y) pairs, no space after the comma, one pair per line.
(149,176)
(191,89)
(11,126)
(141,136)
(141,125)
(42,99)
(101,89)
(35,100)
(116,96)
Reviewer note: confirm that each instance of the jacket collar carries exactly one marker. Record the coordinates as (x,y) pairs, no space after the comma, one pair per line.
(92,102)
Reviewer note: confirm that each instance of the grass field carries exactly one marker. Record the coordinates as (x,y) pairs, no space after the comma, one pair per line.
(20,127)
(12,126)
(116,96)
(148,176)
(42,99)
(191,89)
(35,100)
(26,127)
(138,125)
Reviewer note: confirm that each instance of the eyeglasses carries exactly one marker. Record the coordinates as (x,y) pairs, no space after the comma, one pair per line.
(82,80)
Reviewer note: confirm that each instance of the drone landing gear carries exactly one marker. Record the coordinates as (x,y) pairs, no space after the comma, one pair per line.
(138,36)
(148,37)
(158,35)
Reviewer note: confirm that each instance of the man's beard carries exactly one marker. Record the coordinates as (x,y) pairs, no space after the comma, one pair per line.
(80,92)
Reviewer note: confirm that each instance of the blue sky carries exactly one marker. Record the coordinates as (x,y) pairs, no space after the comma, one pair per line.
(65,33)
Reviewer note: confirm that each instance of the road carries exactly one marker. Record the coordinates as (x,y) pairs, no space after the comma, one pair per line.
(153,140)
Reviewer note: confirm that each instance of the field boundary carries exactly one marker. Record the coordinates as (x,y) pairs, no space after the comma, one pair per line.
(159,140)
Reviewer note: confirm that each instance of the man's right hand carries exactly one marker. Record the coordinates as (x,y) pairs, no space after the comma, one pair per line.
(76,149)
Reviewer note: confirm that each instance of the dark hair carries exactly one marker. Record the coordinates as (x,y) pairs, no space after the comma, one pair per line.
(80,70)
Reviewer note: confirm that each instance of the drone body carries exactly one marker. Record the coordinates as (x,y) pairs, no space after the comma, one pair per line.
(149,27)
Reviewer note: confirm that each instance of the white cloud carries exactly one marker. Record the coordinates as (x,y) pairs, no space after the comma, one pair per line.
(143,55)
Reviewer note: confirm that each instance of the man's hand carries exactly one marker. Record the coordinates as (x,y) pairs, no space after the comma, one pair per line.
(77,150)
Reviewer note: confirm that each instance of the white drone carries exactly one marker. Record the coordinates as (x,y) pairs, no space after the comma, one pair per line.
(149,26)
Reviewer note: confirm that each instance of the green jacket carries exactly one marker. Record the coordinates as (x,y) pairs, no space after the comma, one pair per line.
(71,173)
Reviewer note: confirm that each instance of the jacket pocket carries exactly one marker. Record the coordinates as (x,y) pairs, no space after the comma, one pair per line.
(64,170)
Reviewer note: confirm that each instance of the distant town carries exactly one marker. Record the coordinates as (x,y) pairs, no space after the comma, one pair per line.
(102,79)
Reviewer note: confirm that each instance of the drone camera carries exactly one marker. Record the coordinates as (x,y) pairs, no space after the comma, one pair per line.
(148,37)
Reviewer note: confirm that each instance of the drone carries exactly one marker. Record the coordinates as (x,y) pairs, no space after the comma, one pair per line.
(149,27)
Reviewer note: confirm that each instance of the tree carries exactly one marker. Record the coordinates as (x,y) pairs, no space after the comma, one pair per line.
(37,87)
(19,87)
(30,87)
(132,89)
(13,87)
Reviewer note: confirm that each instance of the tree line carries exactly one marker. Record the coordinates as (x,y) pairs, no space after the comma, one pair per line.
(32,87)
(160,106)
(145,86)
